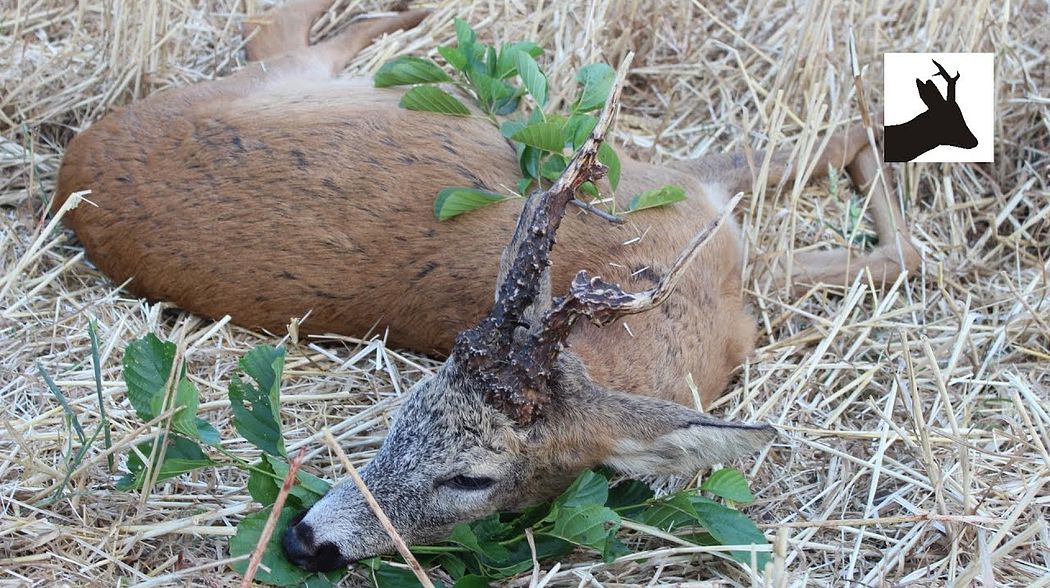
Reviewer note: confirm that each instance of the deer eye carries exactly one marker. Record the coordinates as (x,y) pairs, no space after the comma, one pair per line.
(468,483)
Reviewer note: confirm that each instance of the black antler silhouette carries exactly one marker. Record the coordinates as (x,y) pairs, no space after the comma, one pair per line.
(951,81)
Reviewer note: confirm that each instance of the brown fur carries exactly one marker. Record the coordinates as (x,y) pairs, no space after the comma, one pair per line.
(281,190)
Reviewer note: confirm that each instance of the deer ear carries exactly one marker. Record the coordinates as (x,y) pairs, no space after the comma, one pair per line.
(655,437)
(929,93)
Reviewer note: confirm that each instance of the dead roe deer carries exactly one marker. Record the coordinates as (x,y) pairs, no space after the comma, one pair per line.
(281,190)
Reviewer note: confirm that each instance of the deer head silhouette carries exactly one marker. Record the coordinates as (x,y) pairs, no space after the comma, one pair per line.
(941,124)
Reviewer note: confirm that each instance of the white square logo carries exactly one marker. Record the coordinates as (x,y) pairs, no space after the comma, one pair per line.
(939,107)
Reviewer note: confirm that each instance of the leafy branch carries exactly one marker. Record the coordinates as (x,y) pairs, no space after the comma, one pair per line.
(497,82)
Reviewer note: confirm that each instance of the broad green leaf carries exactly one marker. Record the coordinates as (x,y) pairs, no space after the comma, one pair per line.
(259,420)
(507,65)
(542,135)
(263,485)
(578,127)
(181,455)
(534,80)
(471,581)
(730,527)
(529,161)
(275,569)
(455,201)
(509,127)
(523,185)
(589,488)
(186,402)
(607,155)
(657,197)
(597,81)
(628,494)
(493,94)
(147,367)
(553,166)
(588,525)
(408,70)
(454,56)
(463,535)
(465,35)
(730,484)
(433,99)
(206,433)
(668,513)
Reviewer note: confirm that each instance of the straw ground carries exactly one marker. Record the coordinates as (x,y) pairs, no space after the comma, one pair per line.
(916,419)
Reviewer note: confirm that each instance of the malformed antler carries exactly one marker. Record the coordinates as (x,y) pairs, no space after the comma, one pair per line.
(947,78)
(510,355)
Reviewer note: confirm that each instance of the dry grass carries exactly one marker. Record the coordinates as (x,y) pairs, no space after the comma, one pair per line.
(917,417)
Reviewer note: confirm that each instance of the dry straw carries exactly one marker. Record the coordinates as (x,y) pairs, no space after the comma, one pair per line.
(917,417)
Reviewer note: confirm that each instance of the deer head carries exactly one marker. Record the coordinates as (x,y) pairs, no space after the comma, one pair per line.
(512,416)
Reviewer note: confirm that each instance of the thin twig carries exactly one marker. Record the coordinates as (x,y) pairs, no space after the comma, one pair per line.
(271,522)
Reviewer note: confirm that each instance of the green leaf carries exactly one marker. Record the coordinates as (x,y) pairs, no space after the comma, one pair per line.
(454,56)
(730,484)
(657,197)
(275,569)
(730,527)
(578,128)
(509,127)
(607,155)
(181,455)
(259,421)
(507,65)
(472,581)
(588,525)
(464,34)
(186,402)
(589,488)
(542,135)
(534,80)
(668,513)
(529,161)
(263,484)
(628,494)
(553,166)
(433,99)
(455,201)
(597,81)
(206,433)
(147,368)
(408,70)
(463,535)
(493,94)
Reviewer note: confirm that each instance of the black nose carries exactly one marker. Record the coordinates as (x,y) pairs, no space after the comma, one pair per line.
(301,548)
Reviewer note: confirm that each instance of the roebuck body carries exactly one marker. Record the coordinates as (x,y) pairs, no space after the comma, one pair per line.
(282,190)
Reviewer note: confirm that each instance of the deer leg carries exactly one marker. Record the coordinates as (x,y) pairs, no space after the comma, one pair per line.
(336,53)
(282,30)
(894,254)
(282,38)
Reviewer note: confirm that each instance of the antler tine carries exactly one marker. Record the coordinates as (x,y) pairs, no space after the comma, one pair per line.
(522,291)
(947,78)
(603,302)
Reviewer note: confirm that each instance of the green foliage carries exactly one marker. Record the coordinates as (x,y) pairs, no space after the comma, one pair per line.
(275,569)
(259,422)
(496,81)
